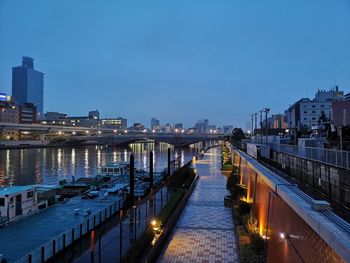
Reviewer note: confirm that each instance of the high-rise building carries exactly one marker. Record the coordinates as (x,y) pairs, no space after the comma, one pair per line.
(28,84)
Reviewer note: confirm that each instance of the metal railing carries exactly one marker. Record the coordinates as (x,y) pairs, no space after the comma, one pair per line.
(333,157)
(59,243)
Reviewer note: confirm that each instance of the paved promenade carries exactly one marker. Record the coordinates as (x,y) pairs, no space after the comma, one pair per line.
(204,232)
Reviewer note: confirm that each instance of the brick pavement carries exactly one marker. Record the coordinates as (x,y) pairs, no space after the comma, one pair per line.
(204,232)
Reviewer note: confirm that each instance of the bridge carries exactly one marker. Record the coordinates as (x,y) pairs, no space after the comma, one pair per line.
(100,135)
(170,138)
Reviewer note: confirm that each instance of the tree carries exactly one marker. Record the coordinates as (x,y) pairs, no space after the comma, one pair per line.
(237,135)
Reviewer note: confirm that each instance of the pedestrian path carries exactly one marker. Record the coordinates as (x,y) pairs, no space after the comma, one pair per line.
(205,231)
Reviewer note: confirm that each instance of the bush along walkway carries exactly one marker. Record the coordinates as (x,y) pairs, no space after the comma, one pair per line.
(251,245)
(180,181)
(226,164)
(205,230)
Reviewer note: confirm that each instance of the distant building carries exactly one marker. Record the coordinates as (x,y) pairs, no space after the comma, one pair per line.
(28,84)
(53,116)
(137,126)
(114,123)
(2,96)
(84,121)
(347,97)
(178,126)
(154,123)
(94,114)
(305,113)
(341,113)
(212,127)
(27,113)
(277,121)
(164,128)
(227,129)
(202,126)
(9,113)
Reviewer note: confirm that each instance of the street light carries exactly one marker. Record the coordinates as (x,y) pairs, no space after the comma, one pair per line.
(114,131)
(155,225)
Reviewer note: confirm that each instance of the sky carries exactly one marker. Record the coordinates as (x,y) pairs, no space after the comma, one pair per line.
(181,60)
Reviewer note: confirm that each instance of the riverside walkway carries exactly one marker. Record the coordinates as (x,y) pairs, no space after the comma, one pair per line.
(205,230)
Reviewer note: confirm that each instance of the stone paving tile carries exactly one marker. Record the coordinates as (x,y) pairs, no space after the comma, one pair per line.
(201,245)
(208,195)
(204,232)
(206,217)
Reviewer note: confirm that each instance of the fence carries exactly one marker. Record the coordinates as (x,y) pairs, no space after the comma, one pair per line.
(133,222)
(51,248)
(333,157)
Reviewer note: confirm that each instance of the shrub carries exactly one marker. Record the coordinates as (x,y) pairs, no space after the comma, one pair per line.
(170,207)
(248,256)
(139,249)
(244,208)
(257,243)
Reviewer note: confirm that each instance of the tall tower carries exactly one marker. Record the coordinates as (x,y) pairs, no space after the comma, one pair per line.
(28,84)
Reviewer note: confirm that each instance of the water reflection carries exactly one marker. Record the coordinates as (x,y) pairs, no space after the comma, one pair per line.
(49,165)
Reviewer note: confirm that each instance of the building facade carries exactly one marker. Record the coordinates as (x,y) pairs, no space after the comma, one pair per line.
(28,84)
(27,113)
(305,113)
(341,113)
(114,123)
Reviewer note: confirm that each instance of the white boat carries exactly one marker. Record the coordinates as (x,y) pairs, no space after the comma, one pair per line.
(114,170)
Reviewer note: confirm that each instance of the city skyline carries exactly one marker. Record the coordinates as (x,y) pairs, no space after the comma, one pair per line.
(179,61)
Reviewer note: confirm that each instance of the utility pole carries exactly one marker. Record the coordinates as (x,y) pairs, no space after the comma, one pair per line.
(261,135)
(266,111)
(256,122)
(252,130)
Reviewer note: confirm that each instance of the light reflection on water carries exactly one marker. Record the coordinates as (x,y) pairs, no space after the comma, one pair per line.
(49,165)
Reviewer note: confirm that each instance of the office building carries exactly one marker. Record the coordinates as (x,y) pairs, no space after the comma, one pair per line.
(28,84)
(27,113)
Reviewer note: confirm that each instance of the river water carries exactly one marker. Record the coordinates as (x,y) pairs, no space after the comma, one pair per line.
(50,165)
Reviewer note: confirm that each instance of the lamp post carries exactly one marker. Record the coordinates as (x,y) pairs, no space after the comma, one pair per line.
(121,235)
(168,163)
(132,180)
(151,170)
(261,135)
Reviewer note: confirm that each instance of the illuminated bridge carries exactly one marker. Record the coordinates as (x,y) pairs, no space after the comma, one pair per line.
(98,135)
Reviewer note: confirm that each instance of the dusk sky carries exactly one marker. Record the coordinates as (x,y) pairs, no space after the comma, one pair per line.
(177,60)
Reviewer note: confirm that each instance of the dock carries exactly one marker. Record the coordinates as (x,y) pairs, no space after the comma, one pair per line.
(42,235)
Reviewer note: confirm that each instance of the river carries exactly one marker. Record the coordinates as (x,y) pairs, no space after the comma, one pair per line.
(50,165)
